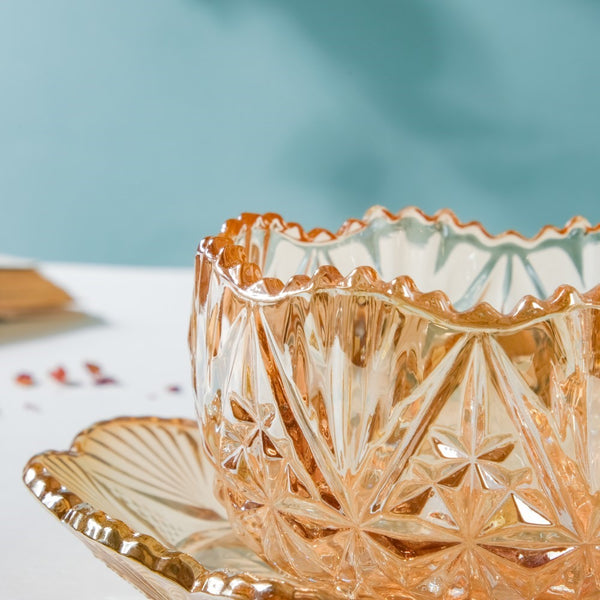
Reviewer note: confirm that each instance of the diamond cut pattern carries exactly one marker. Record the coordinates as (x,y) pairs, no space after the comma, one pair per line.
(358,442)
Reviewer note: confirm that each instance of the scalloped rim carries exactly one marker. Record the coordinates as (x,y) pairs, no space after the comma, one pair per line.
(246,277)
(178,567)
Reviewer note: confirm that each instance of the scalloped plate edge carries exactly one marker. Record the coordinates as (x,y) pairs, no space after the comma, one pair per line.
(160,572)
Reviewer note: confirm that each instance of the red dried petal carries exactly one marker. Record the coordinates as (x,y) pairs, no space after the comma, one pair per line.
(92,368)
(24,379)
(59,374)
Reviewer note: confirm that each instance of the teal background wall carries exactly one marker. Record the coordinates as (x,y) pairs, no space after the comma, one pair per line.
(129,129)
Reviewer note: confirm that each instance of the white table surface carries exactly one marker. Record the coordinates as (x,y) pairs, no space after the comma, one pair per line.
(141,341)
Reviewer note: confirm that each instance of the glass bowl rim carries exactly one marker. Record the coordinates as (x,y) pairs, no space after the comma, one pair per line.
(246,279)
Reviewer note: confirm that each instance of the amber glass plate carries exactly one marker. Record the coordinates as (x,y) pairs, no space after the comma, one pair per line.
(138,493)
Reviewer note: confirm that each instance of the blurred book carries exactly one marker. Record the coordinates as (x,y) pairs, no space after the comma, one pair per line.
(32,306)
(23,290)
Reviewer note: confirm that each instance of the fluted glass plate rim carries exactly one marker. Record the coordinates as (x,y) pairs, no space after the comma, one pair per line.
(103,533)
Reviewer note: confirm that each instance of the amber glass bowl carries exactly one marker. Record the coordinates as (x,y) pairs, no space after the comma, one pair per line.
(409,408)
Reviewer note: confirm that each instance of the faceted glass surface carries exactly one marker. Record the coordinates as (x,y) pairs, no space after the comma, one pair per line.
(386,441)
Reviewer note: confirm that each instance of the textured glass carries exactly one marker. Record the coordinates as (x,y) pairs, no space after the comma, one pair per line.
(137,492)
(408,409)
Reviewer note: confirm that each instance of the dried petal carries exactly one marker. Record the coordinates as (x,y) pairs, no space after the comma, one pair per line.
(92,368)
(105,381)
(25,379)
(59,374)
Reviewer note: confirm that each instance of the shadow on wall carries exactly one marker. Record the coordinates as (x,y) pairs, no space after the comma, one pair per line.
(489,109)
(427,75)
